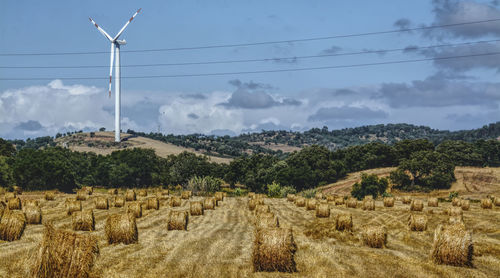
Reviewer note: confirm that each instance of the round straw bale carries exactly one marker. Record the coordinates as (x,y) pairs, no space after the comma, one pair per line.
(219,196)
(290,197)
(266,220)
(196,208)
(88,189)
(300,201)
(130,195)
(486,203)
(185,195)
(65,254)
(81,195)
(251,194)
(113,191)
(252,203)
(455,201)
(323,210)
(274,250)
(406,200)
(30,202)
(209,203)
(262,209)
(9,195)
(388,202)
(17,189)
(119,201)
(175,201)
(339,201)
(496,201)
(351,203)
(153,203)
(83,220)
(121,228)
(14,203)
(225,194)
(311,204)
(330,198)
(50,195)
(374,236)
(178,220)
(318,196)
(165,192)
(3,207)
(417,222)
(101,203)
(417,205)
(452,245)
(432,202)
(343,222)
(368,197)
(456,219)
(454,211)
(368,204)
(142,193)
(33,214)
(135,208)
(465,204)
(12,225)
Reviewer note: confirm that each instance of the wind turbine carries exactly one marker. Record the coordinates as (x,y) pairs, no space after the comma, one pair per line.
(115,47)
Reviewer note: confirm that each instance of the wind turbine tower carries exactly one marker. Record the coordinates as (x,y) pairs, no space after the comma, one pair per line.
(115,50)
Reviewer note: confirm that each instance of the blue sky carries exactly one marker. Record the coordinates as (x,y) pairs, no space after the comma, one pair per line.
(445,94)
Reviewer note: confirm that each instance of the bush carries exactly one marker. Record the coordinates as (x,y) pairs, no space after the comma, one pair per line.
(309,193)
(285,190)
(452,195)
(370,185)
(206,184)
(274,190)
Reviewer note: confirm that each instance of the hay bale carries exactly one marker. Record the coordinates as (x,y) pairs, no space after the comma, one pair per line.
(33,214)
(455,201)
(81,195)
(262,209)
(454,211)
(101,203)
(12,225)
(343,222)
(311,204)
(72,206)
(368,204)
(374,236)
(9,195)
(185,195)
(176,201)
(417,205)
(323,211)
(88,189)
(452,245)
(83,220)
(3,207)
(65,254)
(113,191)
(432,202)
(339,201)
(153,203)
(219,196)
(266,220)
(351,203)
(318,196)
(330,198)
(130,195)
(165,192)
(496,201)
(486,204)
(417,222)
(121,228)
(30,202)
(252,203)
(50,195)
(300,201)
(465,204)
(291,197)
(209,203)
(135,208)
(142,193)
(457,219)
(119,201)
(367,197)
(251,195)
(406,200)
(196,208)
(388,202)
(274,250)
(177,220)
(14,203)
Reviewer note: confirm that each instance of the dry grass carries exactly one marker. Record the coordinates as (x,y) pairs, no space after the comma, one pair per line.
(274,250)
(253,203)
(262,209)
(452,245)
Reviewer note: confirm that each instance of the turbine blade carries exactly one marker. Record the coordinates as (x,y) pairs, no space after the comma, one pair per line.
(101,30)
(111,67)
(126,24)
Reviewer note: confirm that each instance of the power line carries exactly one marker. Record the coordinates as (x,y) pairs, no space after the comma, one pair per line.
(261,43)
(381,51)
(260,71)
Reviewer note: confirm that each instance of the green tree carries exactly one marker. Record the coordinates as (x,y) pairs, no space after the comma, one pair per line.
(369,185)
(6,148)
(6,178)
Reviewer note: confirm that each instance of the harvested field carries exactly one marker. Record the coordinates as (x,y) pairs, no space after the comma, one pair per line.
(220,242)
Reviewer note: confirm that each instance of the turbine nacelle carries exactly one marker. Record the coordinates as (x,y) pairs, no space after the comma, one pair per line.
(121,42)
